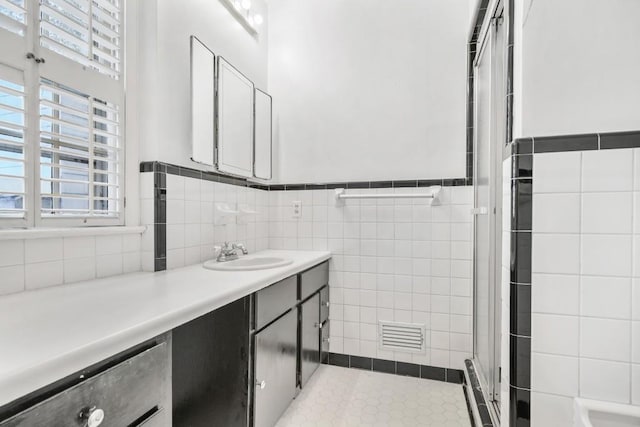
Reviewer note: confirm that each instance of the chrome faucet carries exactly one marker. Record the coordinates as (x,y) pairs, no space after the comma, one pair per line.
(229,251)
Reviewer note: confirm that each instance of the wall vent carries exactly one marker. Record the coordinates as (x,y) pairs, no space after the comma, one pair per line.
(397,336)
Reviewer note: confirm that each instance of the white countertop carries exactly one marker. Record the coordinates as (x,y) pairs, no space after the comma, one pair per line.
(48,334)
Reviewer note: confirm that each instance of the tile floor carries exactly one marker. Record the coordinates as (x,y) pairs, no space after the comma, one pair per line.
(351,397)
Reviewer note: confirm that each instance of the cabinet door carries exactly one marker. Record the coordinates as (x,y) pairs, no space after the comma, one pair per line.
(275,369)
(310,338)
(210,368)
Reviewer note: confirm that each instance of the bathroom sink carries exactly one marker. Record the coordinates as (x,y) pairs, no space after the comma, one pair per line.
(593,413)
(248,263)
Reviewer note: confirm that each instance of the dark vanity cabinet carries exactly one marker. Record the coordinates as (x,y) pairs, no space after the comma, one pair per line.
(211,368)
(244,363)
(289,317)
(238,366)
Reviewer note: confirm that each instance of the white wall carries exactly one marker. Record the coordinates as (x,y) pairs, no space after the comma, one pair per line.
(368,89)
(395,260)
(585,325)
(164,64)
(580,66)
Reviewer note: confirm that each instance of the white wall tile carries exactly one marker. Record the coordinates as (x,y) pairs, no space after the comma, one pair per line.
(555,334)
(604,380)
(635,384)
(607,170)
(555,253)
(11,252)
(44,274)
(12,279)
(108,245)
(109,265)
(80,247)
(548,410)
(605,297)
(606,255)
(606,213)
(635,299)
(175,187)
(555,374)
(555,294)
(557,172)
(615,333)
(635,342)
(556,213)
(41,250)
(79,269)
(131,262)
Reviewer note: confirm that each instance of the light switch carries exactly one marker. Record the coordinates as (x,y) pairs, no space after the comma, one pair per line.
(297,208)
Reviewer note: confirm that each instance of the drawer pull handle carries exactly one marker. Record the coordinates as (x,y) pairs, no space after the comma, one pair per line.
(262,384)
(92,417)
(326,304)
(318,325)
(325,340)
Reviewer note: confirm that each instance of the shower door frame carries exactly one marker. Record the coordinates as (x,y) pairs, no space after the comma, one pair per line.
(489,43)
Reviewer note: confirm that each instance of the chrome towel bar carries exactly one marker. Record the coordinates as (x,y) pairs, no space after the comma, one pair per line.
(434,194)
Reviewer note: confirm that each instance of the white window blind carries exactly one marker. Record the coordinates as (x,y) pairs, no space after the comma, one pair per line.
(61,111)
(86,31)
(12,148)
(79,154)
(13,16)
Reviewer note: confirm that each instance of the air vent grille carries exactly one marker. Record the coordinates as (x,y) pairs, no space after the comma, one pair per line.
(407,337)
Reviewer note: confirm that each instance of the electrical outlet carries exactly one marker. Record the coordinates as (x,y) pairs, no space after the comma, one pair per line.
(297,208)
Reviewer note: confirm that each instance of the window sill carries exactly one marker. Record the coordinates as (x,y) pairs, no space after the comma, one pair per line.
(43,233)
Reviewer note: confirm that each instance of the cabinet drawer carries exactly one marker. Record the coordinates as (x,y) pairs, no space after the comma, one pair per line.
(124,392)
(275,300)
(314,279)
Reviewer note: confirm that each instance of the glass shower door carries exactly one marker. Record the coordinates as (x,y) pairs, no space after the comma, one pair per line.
(488,142)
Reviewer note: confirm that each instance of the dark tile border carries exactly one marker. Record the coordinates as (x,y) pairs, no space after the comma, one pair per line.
(166,168)
(520,277)
(455,376)
(478,395)
(573,142)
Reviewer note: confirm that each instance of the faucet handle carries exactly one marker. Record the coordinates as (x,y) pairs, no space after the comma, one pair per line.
(241,247)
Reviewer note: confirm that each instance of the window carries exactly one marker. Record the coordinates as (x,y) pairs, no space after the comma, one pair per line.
(61,145)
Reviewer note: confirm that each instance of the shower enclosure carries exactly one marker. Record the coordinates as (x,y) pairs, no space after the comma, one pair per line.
(489,139)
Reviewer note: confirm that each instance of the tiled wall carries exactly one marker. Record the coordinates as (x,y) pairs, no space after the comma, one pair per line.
(585,281)
(393,259)
(190,230)
(30,264)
